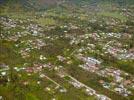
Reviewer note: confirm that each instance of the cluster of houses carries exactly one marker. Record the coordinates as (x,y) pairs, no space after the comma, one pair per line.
(87,89)
(37,68)
(35,44)
(25,28)
(61,58)
(90,64)
(119,53)
(70,26)
(29,46)
(112,47)
(34,29)
(3,69)
(119,82)
(66,60)
(111,35)
(78,39)
(8,23)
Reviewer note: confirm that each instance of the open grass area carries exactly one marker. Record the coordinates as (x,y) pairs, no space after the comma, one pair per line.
(113,14)
(46,21)
(18,15)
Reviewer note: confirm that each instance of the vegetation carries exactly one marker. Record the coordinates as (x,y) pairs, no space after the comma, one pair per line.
(44,44)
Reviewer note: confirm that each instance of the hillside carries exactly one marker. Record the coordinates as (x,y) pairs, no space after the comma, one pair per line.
(42,4)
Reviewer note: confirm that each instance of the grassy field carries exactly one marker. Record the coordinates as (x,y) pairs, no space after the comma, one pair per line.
(113,14)
(46,21)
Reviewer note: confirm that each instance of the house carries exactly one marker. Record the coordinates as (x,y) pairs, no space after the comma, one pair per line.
(102,97)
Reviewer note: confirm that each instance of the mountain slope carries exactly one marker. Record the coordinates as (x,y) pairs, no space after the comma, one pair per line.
(43,4)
